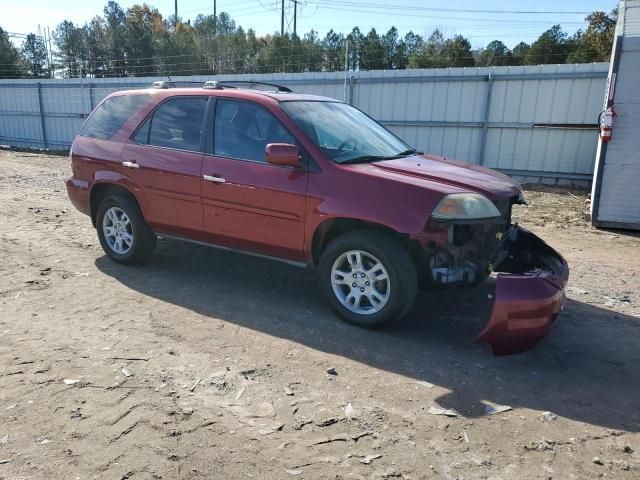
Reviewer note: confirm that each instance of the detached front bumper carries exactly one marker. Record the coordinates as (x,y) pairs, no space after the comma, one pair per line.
(529,293)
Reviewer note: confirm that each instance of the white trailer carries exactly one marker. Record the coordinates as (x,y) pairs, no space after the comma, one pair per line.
(615,195)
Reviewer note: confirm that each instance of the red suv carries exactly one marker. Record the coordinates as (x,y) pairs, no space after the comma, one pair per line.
(314,182)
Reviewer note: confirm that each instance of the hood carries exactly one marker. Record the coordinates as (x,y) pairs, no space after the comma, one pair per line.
(459,174)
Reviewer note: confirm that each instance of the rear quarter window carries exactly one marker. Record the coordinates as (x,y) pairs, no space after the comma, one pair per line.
(109,117)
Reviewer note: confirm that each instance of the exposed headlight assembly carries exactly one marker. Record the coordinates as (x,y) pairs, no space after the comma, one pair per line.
(465,206)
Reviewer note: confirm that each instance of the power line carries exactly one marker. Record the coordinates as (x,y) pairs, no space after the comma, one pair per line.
(233,56)
(244,6)
(466,19)
(396,6)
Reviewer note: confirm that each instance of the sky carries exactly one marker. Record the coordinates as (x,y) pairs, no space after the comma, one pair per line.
(420,16)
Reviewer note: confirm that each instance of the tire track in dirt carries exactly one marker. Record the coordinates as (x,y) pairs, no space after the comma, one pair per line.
(263,328)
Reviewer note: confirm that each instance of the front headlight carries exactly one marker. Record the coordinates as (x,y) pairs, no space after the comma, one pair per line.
(465,206)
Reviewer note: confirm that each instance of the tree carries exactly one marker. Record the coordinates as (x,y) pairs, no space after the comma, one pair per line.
(310,52)
(550,47)
(97,48)
(34,53)
(69,42)
(495,53)
(412,44)
(457,52)
(139,41)
(177,51)
(143,29)
(114,17)
(519,53)
(333,46)
(393,49)
(356,41)
(429,54)
(10,61)
(205,38)
(274,55)
(373,53)
(223,45)
(599,34)
(594,44)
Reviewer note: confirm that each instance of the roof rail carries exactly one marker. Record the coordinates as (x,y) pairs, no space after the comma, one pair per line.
(251,83)
(219,85)
(174,83)
(212,84)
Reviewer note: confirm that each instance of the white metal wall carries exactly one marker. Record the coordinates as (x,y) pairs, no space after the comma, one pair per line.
(534,122)
(617,192)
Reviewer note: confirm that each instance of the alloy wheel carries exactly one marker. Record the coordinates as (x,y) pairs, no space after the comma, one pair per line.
(117,230)
(360,282)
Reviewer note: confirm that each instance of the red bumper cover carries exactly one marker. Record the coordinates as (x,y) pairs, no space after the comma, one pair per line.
(529,294)
(78,192)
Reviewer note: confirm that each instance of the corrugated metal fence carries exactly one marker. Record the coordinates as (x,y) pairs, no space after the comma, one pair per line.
(537,123)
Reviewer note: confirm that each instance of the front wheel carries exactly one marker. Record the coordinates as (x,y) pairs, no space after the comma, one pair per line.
(124,235)
(368,278)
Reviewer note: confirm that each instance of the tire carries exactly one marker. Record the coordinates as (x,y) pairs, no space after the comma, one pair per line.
(142,241)
(398,292)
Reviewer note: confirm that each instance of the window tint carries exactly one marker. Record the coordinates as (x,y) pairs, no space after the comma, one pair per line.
(107,119)
(177,123)
(142,136)
(243,130)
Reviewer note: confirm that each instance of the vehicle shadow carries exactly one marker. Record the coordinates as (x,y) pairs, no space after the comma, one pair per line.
(585,370)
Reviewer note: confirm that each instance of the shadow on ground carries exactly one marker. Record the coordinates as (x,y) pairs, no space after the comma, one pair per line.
(586,370)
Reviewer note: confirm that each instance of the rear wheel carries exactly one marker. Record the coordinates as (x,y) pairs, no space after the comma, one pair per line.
(368,278)
(124,235)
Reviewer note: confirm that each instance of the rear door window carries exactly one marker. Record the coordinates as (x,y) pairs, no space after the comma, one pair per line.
(111,115)
(177,123)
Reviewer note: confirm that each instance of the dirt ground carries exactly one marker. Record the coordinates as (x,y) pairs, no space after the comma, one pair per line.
(206,364)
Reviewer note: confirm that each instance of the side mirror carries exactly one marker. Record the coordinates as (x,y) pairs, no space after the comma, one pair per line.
(282,154)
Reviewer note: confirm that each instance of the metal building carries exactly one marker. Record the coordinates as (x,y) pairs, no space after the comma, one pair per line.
(616,186)
(535,122)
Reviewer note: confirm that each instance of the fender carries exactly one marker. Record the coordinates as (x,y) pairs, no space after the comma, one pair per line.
(101,177)
(403,221)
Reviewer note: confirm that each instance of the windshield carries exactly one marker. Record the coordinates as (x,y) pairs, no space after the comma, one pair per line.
(344,133)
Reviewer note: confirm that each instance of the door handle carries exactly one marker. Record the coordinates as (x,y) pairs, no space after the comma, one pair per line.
(214,178)
(130,165)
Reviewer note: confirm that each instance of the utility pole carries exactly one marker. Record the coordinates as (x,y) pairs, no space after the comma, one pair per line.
(281,20)
(295,17)
(346,67)
(215,17)
(176,10)
(51,65)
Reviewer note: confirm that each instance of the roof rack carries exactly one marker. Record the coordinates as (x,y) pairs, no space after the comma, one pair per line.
(251,83)
(219,85)
(174,83)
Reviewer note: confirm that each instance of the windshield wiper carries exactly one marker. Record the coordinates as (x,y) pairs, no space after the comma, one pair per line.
(406,153)
(364,159)
(377,158)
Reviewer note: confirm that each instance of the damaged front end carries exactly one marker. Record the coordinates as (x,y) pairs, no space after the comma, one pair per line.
(529,293)
(530,275)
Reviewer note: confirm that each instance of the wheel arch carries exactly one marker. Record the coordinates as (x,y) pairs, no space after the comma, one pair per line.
(102,190)
(331,228)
